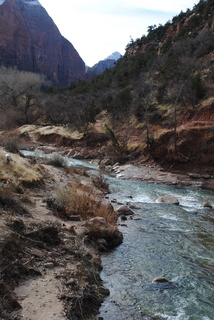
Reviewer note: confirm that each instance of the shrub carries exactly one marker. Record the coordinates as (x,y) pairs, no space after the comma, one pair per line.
(57,160)
(82,201)
(8,202)
(88,206)
(11,143)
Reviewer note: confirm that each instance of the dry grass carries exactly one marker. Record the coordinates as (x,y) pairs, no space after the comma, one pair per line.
(10,204)
(18,170)
(100,182)
(159,133)
(10,141)
(37,131)
(83,201)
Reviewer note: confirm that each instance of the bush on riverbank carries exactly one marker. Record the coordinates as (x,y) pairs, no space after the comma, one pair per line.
(82,201)
(57,160)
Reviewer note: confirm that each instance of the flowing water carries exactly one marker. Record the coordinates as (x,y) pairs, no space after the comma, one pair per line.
(175,242)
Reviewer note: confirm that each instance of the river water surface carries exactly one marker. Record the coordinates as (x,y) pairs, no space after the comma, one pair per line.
(175,242)
(161,240)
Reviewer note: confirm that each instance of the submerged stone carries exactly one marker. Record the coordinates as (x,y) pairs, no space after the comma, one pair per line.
(168,199)
(206,205)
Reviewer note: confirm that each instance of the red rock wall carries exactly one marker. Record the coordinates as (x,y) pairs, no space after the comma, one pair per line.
(30,40)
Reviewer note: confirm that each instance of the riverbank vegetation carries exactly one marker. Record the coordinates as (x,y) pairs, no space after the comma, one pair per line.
(53,218)
(156,99)
(155,107)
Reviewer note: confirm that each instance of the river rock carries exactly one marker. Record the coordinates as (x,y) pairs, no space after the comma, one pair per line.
(133,206)
(167,199)
(100,220)
(125,211)
(102,244)
(49,265)
(104,291)
(109,207)
(74,218)
(70,282)
(206,205)
(78,156)
(161,280)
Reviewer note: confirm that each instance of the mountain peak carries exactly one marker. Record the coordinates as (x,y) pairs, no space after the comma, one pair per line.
(32,2)
(114,56)
(29,2)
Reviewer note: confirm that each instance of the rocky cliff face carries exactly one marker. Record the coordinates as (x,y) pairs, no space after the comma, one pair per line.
(30,40)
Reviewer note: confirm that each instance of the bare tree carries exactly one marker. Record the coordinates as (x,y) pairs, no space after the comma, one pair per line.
(19,92)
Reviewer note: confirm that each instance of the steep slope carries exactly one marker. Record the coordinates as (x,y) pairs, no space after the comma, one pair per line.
(30,40)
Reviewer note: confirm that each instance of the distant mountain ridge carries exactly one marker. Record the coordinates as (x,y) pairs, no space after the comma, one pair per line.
(114,56)
(30,40)
(102,65)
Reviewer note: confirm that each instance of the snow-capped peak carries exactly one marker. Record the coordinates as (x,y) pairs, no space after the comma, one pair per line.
(29,2)
(32,2)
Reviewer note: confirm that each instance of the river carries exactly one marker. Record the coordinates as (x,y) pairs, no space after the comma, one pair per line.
(175,242)
(160,240)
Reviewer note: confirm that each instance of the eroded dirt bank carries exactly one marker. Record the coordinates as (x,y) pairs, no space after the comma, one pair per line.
(50,257)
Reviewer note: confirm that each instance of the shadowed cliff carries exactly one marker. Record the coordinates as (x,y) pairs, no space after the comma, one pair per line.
(30,40)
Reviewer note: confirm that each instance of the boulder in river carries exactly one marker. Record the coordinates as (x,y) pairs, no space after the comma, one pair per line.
(167,199)
(125,211)
(161,280)
(206,205)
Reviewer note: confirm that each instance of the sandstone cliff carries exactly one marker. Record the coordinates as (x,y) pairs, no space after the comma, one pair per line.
(30,40)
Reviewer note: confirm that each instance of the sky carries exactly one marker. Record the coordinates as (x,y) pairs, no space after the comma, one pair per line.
(97,28)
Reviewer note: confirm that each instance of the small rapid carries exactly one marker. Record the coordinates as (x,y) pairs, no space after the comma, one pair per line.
(160,240)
